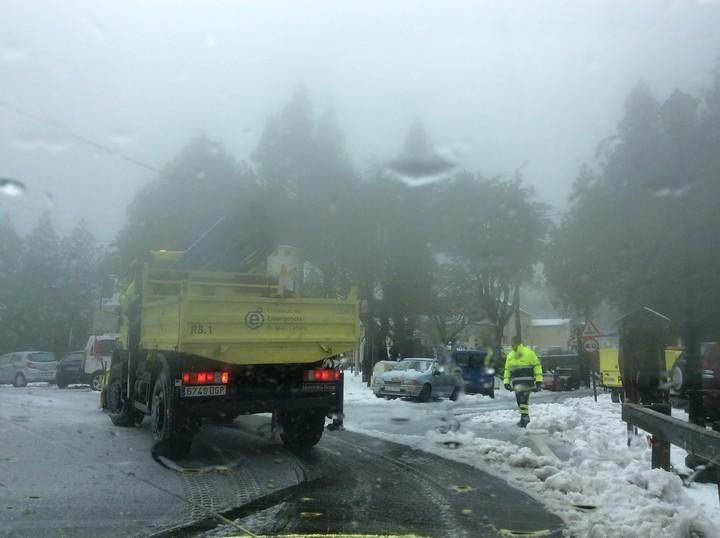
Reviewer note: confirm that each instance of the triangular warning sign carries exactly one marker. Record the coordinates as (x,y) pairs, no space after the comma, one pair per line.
(590,331)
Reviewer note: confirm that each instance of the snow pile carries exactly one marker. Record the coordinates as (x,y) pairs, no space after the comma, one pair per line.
(604,489)
(357,391)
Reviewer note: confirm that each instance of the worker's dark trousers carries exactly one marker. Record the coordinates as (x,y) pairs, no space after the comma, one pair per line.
(523,400)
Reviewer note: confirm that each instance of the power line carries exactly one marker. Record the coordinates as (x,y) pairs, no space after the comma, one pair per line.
(82,139)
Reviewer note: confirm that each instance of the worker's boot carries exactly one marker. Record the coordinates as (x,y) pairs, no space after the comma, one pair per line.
(524,420)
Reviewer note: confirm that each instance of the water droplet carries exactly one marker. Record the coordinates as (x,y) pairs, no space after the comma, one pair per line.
(11,187)
(201,174)
(49,199)
(97,30)
(210,41)
(416,172)
(14,52)
(121,136)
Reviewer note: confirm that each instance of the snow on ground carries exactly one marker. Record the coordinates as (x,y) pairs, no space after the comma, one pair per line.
(600,487)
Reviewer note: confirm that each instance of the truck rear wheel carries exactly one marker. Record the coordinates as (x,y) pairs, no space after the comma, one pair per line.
(302,429)
(171,432)
(122,413)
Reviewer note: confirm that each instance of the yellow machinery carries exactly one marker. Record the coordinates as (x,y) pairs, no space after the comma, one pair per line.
(199,343)
(610,370)
(239,318)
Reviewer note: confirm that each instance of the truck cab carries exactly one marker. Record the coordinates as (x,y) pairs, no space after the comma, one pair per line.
(97,358)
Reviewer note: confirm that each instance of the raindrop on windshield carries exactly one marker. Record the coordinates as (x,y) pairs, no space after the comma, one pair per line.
(415,172)
(11,187)
(12,53)
(121,136)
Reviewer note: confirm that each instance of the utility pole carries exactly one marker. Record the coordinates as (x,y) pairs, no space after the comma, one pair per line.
(516,305)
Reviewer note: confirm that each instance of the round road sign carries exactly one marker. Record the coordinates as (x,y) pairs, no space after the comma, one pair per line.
(591,345)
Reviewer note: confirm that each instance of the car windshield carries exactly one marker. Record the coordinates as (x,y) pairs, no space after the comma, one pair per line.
(410,364)
(285,249)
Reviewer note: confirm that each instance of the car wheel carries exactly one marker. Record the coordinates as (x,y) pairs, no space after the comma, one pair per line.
(455,394)
(677,379)
(61,385)
(96,381)
(425,394)
(19,380)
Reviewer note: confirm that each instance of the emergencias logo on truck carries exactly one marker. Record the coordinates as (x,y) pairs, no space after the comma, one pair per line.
(254,319)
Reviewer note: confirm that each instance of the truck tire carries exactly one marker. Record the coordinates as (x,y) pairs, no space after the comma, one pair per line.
(171,433)
(19,380)
(302,430)
(121,411)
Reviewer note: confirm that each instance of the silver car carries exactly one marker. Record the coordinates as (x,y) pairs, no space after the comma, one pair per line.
(23,367)
(420,379)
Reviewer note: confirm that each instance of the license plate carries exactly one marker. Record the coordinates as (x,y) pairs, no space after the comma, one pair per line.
(318,387)
(207,390)
(392,389)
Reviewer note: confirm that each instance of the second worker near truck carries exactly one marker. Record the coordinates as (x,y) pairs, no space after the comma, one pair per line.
(523,374)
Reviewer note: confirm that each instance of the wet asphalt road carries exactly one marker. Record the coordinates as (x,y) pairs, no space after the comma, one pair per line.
(65,470)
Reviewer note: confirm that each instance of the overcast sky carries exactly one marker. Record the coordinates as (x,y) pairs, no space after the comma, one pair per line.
(500,82)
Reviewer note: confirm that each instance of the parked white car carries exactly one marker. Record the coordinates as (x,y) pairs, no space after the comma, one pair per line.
(97,357)
(376,381)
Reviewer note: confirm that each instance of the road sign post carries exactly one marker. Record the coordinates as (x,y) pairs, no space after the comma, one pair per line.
(590,346)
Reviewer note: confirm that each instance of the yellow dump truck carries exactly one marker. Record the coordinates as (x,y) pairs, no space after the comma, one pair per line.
(198,343)
(610,370)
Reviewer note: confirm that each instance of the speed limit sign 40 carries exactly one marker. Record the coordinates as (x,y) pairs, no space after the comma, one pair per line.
(591,345)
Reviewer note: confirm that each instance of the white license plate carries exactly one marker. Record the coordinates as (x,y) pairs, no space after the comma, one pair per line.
(392,389)
(207,390)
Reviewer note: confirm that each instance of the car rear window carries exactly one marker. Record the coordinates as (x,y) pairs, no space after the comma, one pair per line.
(42,357)
(76,356)
(462,360)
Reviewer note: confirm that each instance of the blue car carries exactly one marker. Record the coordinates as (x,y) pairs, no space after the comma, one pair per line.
(478,376)
(421,379)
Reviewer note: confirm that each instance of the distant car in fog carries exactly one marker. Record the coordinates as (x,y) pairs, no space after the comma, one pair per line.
(421,379)
(23,367)
(478,376)
(97,358)
(70,369)
(710,364)
(376,379)
(561,379)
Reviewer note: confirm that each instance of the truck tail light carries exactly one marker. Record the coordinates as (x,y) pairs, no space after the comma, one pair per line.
(205,378)
(322,375)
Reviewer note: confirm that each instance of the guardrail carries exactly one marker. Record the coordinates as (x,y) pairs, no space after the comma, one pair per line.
(666,430)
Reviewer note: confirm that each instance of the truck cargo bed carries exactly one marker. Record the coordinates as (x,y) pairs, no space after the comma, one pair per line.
(239,329)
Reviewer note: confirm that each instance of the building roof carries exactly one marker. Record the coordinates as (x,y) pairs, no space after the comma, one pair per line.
(550,322)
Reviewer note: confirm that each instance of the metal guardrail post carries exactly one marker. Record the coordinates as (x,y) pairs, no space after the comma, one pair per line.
(696,440)
(660,458)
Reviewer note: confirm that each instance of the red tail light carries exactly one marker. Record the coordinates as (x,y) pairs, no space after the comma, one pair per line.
(29,363)
(205,378)
(324,375)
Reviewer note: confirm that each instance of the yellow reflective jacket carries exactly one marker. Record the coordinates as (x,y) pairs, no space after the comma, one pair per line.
(522,367)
